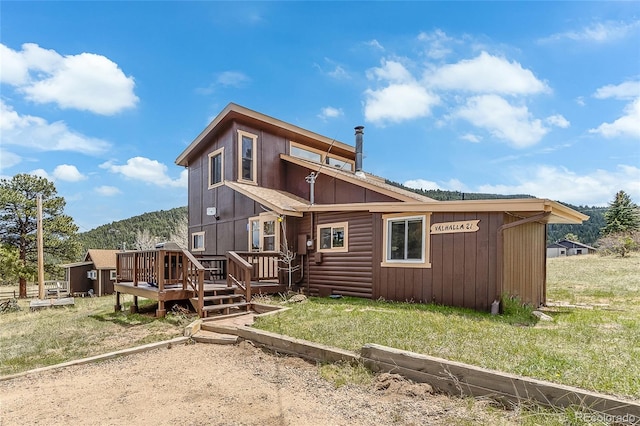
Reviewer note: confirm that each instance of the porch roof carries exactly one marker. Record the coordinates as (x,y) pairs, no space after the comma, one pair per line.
(281,202)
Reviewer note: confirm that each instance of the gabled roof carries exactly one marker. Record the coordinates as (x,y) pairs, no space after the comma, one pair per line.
(236,112)
(102,259)
(365,180)
(573,244)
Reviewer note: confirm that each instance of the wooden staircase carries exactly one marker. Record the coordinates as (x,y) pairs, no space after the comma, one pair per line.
(223,300)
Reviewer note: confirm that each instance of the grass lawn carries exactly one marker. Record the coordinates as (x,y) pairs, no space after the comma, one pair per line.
(32,339)
(594,346)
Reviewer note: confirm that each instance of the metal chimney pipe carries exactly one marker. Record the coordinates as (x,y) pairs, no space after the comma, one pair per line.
(359,133)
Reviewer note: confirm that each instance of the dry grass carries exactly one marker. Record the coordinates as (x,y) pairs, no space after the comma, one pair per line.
(31,339)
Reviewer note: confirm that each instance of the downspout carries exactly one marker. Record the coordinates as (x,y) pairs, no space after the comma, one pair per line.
(500,246)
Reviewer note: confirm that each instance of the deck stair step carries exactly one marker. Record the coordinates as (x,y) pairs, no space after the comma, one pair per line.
(220,327)
(204,336)
(222,297)
(221,306)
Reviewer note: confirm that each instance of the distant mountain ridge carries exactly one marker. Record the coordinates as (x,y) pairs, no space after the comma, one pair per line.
(116,235)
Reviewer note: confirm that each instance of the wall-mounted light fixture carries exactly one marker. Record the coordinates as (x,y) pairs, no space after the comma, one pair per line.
(212,211)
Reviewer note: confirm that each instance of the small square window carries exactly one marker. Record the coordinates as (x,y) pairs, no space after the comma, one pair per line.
(112,275)
(333,237)
(406,241)
(197,241)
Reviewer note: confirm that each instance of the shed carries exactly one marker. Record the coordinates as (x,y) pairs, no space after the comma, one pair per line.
(97,272)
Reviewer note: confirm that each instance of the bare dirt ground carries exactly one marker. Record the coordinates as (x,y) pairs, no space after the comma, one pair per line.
(203,384)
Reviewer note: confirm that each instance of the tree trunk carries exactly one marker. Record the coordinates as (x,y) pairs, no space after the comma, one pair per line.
(23,288)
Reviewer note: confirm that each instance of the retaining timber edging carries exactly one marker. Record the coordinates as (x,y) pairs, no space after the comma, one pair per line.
(450,377)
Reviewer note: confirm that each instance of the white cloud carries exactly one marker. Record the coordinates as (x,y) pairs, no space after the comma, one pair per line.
(330,112)
(503,120)
(470,137)
(35,132)
(338,73)
(624,91)
(438,43)
(148,171)
(558,121)
(68,173)
(40,173)
(626,126)
(600,32)
(8,159)
(375,44)
(107,191)
(403,98)
(595,188)
(86,81)
(232,79)
(421,184)
(486,74)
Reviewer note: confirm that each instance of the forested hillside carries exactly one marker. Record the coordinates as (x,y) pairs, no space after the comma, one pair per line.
(160,225)
(587,233)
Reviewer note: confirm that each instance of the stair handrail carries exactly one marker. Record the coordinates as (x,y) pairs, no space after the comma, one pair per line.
(239,272)
(195,268)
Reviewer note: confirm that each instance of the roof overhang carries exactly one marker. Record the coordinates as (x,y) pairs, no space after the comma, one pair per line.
(75,265)
(368,181)
(521,207)
(236,112)
(280,202)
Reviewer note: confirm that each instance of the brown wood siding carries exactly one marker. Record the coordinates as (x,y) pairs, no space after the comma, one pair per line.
(463,266)
(347,274)
(524,273)
(328,189)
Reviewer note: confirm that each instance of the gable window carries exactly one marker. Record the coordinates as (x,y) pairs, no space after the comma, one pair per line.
(317,156)
(197,241)
(406,241)
(247,163)
(333,237)
(216,168)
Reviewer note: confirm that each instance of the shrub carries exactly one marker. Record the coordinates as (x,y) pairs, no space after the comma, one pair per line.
(619,244)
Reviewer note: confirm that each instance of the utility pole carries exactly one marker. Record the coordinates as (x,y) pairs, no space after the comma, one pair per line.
(40,250)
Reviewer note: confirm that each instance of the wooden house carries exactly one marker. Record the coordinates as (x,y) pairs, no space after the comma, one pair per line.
(95,275)
(568,248)
(260,188)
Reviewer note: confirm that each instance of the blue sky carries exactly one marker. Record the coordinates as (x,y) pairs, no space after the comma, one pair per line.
(537,98)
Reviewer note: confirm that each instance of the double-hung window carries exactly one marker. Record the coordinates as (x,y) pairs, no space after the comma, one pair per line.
(333,237)
(247,161)
(216,168)
(406,241)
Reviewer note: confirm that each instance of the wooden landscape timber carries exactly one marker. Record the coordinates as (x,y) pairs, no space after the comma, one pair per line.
(450,377)
(460,379)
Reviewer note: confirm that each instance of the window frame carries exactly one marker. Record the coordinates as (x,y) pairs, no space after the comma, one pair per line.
(331,226)
(261,219)
(254,160)
(211,156)
(113,275)
(197,236)
(324,157)
(387,220)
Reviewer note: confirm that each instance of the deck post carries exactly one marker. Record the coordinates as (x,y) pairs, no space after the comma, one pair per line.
(117,307)
(161,311)
(134,308)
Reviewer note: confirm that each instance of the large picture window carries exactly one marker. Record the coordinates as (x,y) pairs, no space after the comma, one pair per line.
(333,237)
(216,168)
(247,162)
(406,241)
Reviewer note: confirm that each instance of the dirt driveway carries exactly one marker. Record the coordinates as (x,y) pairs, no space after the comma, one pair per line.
(202,384)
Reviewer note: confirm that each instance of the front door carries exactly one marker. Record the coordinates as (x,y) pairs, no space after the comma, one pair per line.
(264,233)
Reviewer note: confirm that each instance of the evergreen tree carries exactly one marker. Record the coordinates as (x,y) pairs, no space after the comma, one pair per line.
(18,224)
(622,216)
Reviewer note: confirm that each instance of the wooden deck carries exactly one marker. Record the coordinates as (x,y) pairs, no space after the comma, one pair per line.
(213,285)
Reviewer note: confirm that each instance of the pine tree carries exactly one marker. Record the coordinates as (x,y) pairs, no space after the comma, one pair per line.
(18,223)
(622,216)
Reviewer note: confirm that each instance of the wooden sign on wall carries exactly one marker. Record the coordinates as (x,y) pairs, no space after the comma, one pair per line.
(454,227)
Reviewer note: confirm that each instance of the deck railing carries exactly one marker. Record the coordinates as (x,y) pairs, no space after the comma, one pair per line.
(246,267)
(239,273)
(162,269)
